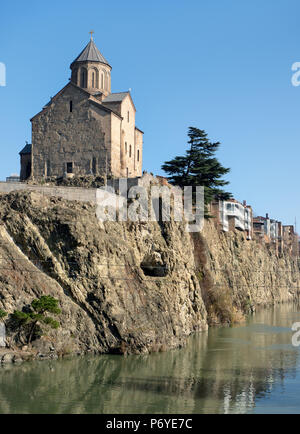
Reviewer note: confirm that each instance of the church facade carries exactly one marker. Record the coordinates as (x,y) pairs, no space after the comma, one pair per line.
(85,129)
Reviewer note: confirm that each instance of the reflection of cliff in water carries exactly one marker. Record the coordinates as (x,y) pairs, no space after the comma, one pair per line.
(224,370)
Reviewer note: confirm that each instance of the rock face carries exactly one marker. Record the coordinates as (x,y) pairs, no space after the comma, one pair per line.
(59,248)
(128,287)
(237,275)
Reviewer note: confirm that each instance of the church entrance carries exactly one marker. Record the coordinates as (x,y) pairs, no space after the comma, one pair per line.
(69,167)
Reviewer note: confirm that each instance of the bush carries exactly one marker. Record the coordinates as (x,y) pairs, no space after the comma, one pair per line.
(221,308)
(2,314)
(32,320)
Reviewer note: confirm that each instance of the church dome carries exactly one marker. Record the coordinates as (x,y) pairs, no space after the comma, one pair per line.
(91,71)
(91,54)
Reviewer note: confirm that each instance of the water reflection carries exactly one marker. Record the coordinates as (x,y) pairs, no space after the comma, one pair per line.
(224,370)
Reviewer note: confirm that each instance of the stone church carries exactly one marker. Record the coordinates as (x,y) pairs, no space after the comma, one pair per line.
(85,129)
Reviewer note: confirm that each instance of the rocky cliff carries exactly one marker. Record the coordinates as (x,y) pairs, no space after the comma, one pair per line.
(237,275)
(129,287)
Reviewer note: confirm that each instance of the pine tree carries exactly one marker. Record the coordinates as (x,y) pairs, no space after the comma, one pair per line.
(199,167)
(37,315)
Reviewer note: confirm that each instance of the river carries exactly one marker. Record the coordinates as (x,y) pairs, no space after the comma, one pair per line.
(252,368)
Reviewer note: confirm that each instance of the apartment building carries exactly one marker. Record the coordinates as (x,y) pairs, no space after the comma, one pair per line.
(231,215)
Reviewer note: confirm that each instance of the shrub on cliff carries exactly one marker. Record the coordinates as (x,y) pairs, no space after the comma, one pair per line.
(36,316)
(2,314)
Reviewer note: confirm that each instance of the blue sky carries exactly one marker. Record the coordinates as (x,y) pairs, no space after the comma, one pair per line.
(220,65)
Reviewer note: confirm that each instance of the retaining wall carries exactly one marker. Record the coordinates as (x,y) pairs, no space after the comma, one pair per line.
(68,193)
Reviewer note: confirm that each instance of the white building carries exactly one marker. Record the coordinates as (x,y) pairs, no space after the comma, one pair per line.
(239,214)
(271,227)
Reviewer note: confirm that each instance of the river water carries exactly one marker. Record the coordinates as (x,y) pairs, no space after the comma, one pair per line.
(252,368)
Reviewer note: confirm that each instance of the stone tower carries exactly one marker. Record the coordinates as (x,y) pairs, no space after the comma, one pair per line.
(91,71)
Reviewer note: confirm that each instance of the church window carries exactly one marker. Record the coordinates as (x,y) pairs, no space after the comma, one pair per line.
(47,168)
(102,81)
(69,167)
(93,80)
(128,118)
(71,106)
(97,78)
(94,166)
(130,151)
(83,78)
(126,148)
(75,76)
(138,155)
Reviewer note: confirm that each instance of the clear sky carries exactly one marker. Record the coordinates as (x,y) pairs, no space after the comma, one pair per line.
(220,65)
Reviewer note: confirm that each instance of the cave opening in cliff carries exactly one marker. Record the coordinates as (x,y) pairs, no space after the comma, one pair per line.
(154,270)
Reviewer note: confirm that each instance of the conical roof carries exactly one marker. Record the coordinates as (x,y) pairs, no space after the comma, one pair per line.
(91,54)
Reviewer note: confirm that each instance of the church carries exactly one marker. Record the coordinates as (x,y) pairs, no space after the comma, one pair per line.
(85,129)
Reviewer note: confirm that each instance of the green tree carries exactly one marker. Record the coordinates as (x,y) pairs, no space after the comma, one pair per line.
(36,316)
(2,314)
(199,167)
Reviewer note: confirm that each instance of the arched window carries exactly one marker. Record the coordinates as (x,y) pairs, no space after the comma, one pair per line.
(75,76)
(95,78)
(102,80)
(83,78)
(105,81)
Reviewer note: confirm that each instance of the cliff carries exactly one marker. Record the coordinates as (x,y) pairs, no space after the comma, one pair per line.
(238,275)
(129,287)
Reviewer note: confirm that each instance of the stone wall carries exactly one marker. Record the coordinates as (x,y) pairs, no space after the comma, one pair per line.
(76,193)
(102,76)
(139,151)
(68,193)
(60,136)
(76,129)
(126,140)
(128,128)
